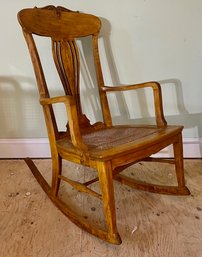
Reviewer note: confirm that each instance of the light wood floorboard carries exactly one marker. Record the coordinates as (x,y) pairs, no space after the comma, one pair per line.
(150,225)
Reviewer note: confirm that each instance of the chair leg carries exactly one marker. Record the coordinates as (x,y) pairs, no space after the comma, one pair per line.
(179,165)
(56,170)
(107,190)
(180,189)
(111,237)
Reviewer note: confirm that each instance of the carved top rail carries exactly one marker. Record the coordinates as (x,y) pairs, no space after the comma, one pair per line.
(58,22)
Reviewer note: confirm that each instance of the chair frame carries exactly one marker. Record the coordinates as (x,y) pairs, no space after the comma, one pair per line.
(63,27)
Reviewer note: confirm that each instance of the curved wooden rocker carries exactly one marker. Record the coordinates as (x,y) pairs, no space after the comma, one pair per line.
(107,148)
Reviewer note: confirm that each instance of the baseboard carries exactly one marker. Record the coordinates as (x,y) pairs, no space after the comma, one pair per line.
(39,148)
(21,148)
(192,148)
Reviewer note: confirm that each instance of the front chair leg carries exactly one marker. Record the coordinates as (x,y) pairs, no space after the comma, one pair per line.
(56,170)
(107,190)
(179,165)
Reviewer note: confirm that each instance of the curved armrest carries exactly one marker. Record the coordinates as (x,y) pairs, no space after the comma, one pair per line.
(160,119)
(72,115)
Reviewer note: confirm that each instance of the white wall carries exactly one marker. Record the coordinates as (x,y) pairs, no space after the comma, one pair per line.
(144,40)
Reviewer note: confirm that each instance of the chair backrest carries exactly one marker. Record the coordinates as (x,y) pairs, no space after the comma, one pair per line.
(63,27)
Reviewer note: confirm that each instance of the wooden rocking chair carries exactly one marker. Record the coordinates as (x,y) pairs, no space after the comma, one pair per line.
(103,146)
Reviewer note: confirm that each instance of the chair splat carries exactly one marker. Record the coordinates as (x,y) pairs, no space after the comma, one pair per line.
(66,58)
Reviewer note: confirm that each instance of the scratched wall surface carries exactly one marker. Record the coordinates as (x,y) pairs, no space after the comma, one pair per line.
(140,41)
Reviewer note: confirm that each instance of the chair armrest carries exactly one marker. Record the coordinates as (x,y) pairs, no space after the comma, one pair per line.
(55,100)
(72,115)
(160,119)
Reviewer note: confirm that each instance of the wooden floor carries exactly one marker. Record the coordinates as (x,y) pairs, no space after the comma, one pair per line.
(150,225)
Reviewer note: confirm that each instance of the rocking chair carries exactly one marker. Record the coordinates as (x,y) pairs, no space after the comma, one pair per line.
(105,147)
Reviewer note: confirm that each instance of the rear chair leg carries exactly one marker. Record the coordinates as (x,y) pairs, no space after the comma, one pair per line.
(56,170)
(179,165)
(107,189)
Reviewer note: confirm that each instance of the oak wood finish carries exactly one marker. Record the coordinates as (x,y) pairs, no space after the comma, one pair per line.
(107,148)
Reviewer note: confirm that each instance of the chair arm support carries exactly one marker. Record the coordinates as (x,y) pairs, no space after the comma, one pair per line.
(158,104)
(72,116)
